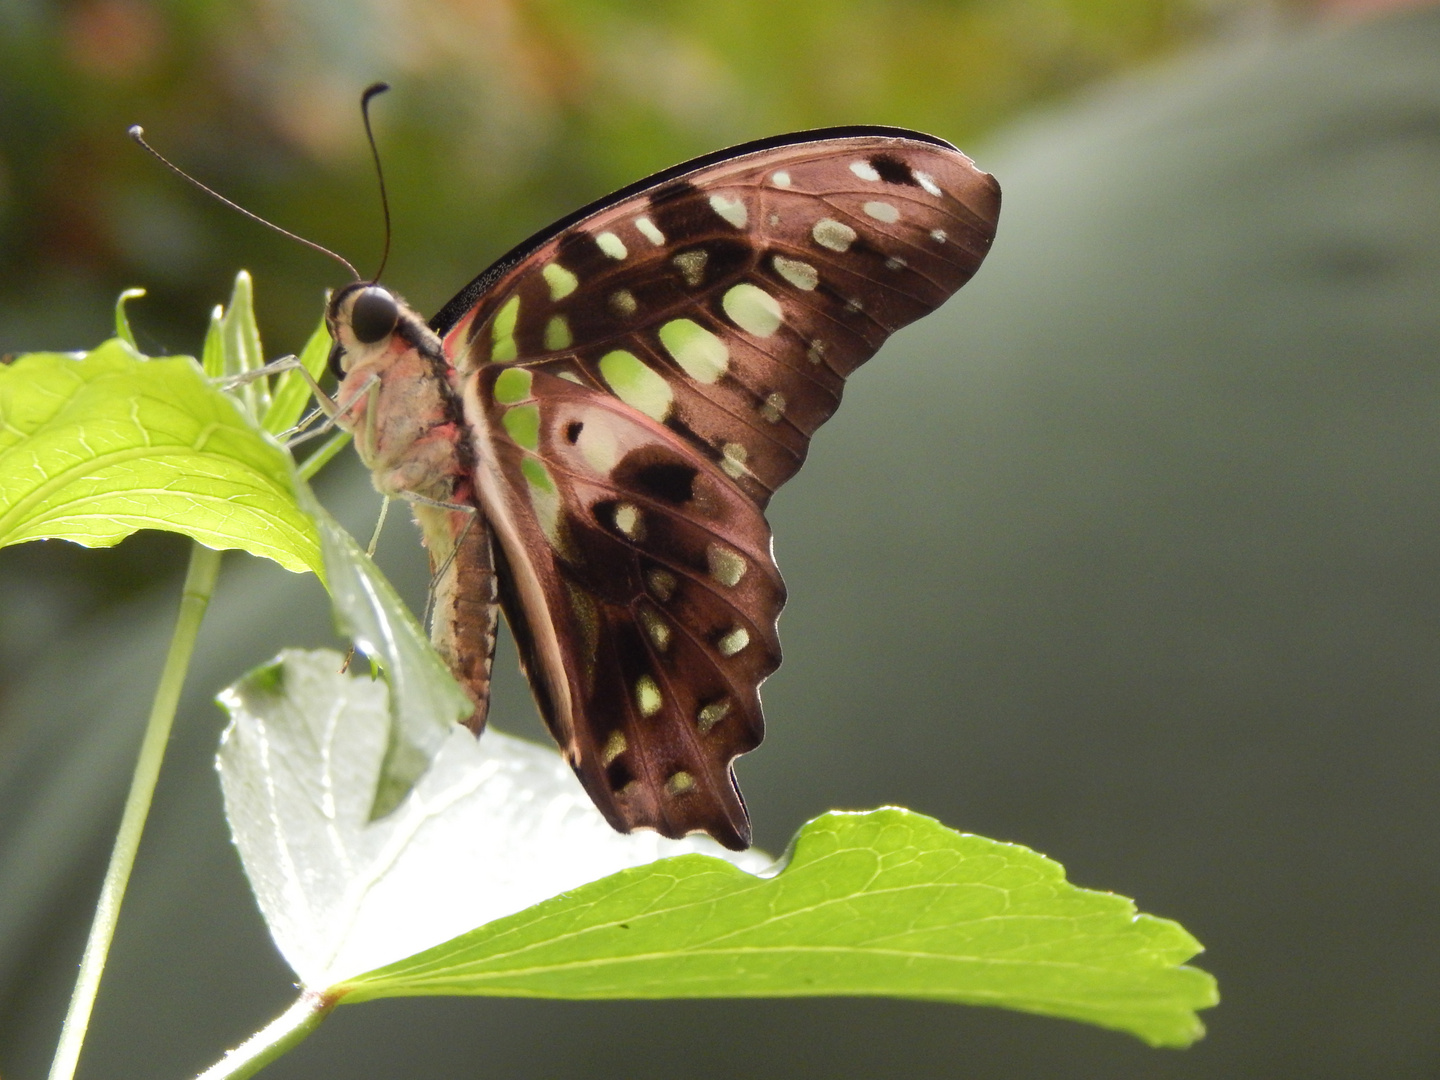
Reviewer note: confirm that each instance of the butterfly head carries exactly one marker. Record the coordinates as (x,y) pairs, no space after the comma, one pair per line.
(361,317)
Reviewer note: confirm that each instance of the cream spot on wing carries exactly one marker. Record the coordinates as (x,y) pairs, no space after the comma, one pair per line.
(780,179)
(561,281)
(800,274)
(614,746)
(692,265)
(599,443)
(752,309)
(895,263)
(661,583)
(882,211)
(649,231)
(702,354)
(938,235)
(711,714)
(623,303)
(734,641)
(853,305)
(679,783)
(726,566)
(639,386)
(864,170)
(627,520)
(774,219)
(611,245)
(832,234)
(656,628)
(557,334)
(816,352)
(570,376)
(731,209)
(733,460)
(927,182)
(773,408)
(647,696)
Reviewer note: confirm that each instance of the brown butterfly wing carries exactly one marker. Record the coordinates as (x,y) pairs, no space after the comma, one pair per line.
(639,582)
(704,321)
(752,286)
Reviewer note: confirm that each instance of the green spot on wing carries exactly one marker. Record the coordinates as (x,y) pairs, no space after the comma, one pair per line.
(522,423)
(502,331)
(512,385)
(702,354)
(636,384)
(544,498)
(561,281)
(557,334)
(537,475)
(752,309)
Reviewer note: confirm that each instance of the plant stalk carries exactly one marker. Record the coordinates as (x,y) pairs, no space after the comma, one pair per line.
(200,579)
(275,1038)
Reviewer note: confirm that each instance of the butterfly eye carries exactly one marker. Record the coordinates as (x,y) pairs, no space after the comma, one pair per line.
(373,315)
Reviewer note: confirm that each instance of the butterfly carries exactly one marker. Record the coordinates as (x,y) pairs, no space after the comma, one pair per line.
(590,431)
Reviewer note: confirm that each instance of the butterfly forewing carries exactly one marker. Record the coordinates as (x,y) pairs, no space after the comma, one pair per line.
(637,381)
(731,300)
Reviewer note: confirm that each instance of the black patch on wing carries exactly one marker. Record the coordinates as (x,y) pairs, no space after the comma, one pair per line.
(680,211)
(893,171)
(578,253)
(669,481)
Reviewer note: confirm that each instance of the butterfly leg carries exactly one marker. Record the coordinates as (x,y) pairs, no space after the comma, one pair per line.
(275,367)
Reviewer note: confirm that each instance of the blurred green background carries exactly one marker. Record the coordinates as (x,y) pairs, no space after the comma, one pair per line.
(503,117)
(1131,553)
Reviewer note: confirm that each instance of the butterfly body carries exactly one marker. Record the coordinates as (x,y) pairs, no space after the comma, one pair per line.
(616,401)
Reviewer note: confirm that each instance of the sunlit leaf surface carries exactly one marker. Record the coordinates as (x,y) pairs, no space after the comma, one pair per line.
(498,836)
(96,446)
(886,903)
(493,827)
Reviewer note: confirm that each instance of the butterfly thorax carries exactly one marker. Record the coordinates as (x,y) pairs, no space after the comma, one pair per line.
(396,396)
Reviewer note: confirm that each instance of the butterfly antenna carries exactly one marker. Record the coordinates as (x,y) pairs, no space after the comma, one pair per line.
(374,90)
(138,134)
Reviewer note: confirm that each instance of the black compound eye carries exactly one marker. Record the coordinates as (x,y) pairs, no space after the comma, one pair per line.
(373,315)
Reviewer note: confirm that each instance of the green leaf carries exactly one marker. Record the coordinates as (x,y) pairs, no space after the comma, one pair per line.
(96,446)
(240,340)
(212,356)
(492,827)
(122,321)
(884,903)
(292,393)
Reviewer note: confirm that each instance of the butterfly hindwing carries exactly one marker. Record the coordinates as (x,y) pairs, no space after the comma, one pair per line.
(642,591)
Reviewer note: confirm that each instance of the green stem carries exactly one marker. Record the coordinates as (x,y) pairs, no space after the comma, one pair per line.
(321,457)
(275,1038)
(199,584)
